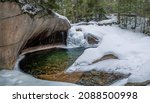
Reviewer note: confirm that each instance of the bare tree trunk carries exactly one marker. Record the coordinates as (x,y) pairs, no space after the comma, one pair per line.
(135,22)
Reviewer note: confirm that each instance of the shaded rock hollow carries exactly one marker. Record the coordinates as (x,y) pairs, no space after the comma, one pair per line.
(18,28)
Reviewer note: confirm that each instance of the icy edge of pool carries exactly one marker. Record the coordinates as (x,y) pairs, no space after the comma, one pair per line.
(16,77)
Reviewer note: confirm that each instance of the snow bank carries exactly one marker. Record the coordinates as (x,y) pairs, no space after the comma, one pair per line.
(131,48)
(77,36)
(62,17)
(17,78)
(111,19)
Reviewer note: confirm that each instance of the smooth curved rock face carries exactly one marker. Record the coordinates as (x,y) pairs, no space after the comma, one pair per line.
(16,28)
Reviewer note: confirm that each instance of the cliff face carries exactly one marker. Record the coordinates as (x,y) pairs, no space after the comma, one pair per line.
(17,28)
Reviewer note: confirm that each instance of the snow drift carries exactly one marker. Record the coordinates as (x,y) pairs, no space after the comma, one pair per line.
(131,48)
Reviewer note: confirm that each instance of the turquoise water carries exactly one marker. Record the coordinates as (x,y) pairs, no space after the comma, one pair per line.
(50,61)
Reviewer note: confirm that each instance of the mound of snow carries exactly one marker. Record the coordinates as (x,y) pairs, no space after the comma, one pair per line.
(77,36)
(111,19)
(131,48)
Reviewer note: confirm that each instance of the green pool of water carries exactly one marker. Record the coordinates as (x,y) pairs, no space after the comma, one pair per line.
(50,61)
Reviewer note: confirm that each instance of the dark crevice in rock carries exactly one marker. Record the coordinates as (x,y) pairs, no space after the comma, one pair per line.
(55,38)
(139,84)
(105,57)
(11,16)
(92,39)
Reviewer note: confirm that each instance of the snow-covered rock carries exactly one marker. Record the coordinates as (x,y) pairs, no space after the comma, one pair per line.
(22,1)
(62,17)
(111,20)
(131,48)
(29,8)
(79,36)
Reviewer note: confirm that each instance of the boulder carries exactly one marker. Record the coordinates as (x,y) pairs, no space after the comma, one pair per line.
(17,28)
(105,57)
(91,39)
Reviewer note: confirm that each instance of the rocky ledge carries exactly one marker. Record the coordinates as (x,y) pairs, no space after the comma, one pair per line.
(18,28)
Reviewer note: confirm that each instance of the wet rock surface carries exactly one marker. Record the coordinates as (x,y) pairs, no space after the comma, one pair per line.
(90,78)
(92,39)
(99,78)
(139,84)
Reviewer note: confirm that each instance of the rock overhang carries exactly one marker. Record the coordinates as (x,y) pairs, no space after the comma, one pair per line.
(18,28)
